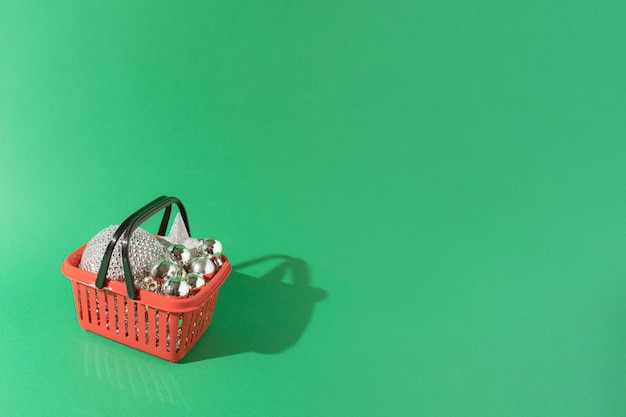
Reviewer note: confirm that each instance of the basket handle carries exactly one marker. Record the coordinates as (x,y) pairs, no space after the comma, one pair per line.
(138,220)
(152,207)
(106,259)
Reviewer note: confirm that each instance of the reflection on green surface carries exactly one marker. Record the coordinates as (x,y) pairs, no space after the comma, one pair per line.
(109,372)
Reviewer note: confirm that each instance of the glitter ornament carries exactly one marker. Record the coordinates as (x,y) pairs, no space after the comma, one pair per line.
(180,253)
(201,265)
(164,269)
(178,233)
(143,251)
(179,236)
(195,280)
(176,286)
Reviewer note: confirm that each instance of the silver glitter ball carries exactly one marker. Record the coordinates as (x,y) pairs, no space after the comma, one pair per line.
(176,286)
(201,265)
(180,253)
(210,247)
(195,280)
(143,251)
(164,269)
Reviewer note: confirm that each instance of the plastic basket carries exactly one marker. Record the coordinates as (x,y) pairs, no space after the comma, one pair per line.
(167,327)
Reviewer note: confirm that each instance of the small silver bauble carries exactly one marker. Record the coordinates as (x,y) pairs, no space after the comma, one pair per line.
(164,269)
(150,284)
(175,286)
(218,261)
(195,280)
(180,253)
(201,265)
(210,247)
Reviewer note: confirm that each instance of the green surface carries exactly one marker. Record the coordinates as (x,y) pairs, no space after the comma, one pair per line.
(424,203)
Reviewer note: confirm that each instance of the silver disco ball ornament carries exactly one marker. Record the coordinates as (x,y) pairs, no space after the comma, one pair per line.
(144,250)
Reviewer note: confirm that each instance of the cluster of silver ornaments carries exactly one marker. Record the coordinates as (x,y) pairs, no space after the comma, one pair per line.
(179,277)
(173,265)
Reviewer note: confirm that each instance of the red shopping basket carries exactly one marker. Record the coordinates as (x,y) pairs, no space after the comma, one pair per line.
(164,326)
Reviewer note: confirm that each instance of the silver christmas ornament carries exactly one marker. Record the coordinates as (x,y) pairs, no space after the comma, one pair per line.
(143,251)
(176,287)
(178,232)
(164,269)
(195,280)
(179,235)
(151,284)
(180,253)
(201,265)
(210,247)
(218,261)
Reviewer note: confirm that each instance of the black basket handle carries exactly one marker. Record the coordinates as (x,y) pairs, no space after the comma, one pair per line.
(128,226)
(106,259)
(139,219)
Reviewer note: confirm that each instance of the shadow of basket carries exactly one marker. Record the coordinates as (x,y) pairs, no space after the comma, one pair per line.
(265,314)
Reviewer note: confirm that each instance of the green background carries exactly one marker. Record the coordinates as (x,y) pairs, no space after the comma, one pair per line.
(424,202)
